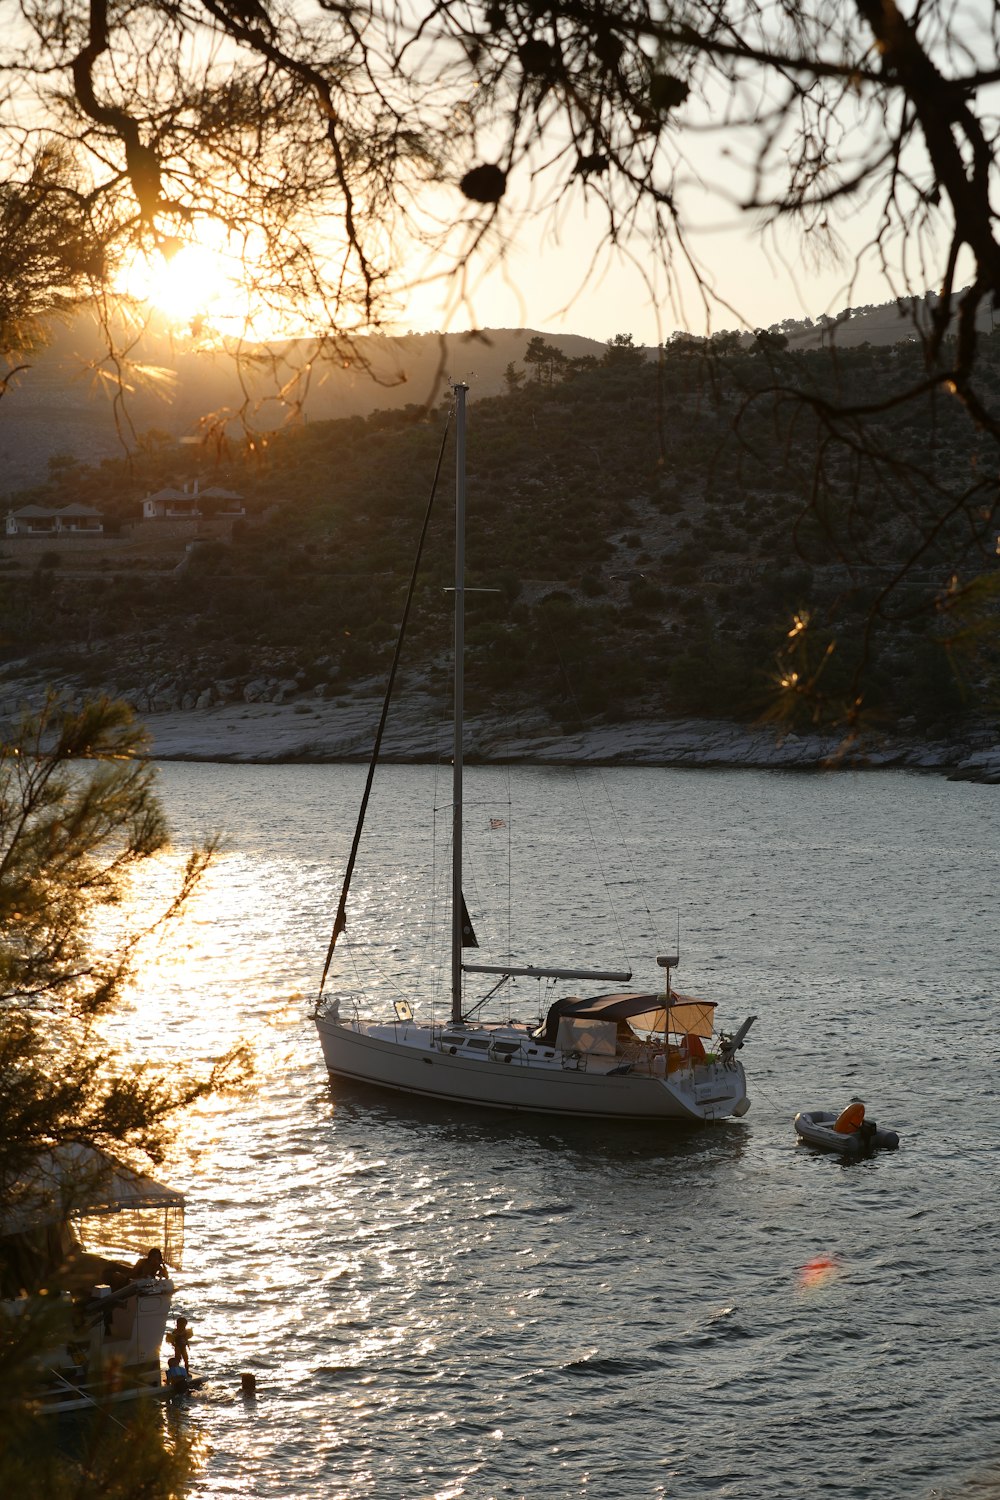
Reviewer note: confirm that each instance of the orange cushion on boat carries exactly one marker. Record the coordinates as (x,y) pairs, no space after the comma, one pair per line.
(850,1119)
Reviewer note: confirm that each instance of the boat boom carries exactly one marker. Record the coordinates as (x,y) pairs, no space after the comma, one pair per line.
(531,972)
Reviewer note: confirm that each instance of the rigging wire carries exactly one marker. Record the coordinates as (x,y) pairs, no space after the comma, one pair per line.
(505,768)
(340,920)
(373,967)
(496,826)
(502,769)
(626,846)
(600,864)
(638,884)
(436,877)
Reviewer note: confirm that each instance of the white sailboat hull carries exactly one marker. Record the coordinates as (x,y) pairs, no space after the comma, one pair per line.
(416,1060)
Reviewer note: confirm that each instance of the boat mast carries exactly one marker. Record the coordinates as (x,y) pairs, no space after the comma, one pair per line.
(461,391)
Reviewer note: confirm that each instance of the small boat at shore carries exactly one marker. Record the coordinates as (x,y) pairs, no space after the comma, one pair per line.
(846,1134)
(69,1227)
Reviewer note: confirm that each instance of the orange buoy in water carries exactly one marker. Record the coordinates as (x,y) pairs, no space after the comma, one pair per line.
(816,1272)
(850,1119)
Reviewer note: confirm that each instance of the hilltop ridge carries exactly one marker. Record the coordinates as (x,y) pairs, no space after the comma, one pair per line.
(66,402)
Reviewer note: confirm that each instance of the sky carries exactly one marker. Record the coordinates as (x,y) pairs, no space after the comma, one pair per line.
(556,279)
(553,277)
(542,285)
(556,274)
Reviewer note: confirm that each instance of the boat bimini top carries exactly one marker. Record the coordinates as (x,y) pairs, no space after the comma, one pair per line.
(684,1017)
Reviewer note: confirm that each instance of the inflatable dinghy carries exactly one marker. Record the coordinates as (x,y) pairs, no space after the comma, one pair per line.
(848,1134)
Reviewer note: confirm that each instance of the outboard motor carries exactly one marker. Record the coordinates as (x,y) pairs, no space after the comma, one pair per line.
(730,1045)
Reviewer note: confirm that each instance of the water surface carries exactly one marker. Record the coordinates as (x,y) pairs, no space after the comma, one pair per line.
(453,1304)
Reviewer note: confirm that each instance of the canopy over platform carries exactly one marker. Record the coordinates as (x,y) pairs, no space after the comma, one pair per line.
(686,1016)
(80,1182)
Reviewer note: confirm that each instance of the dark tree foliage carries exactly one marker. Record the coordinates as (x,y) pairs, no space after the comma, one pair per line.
(49,251)
(78,819)
(145,1457)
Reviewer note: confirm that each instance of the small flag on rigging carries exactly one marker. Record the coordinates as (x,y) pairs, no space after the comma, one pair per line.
(497,823)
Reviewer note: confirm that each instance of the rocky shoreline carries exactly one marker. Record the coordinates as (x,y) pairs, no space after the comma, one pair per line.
(292,726)
(343,730)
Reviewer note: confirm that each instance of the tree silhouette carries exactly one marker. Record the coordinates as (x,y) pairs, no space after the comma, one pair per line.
(71,842)
(548,360)
(318,135)
(78,817)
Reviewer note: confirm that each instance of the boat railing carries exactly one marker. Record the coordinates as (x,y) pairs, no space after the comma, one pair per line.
(649,1056)
(346,1006)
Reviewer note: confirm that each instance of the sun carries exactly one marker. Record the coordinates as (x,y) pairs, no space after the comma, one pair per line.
(187,282)
(191,284)
(209,285)
(206,279)
(220,286)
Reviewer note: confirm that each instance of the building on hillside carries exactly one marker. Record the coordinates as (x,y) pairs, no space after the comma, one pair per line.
(55,521)
(82,520)
(189,513)
(170,504)
(223,503)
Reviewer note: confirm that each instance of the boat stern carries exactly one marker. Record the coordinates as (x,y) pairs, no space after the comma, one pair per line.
(709,1091)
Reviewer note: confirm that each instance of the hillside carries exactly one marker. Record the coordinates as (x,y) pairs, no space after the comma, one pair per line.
(879,325)
(66,402)
(643,559)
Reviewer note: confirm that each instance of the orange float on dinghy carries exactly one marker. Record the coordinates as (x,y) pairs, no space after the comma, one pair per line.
(851,1118)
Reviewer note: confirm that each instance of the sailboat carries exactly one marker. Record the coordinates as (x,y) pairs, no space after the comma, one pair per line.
(618,1054)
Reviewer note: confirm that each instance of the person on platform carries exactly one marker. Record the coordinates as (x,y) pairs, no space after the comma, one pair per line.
(149,1265)
(180,1338)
